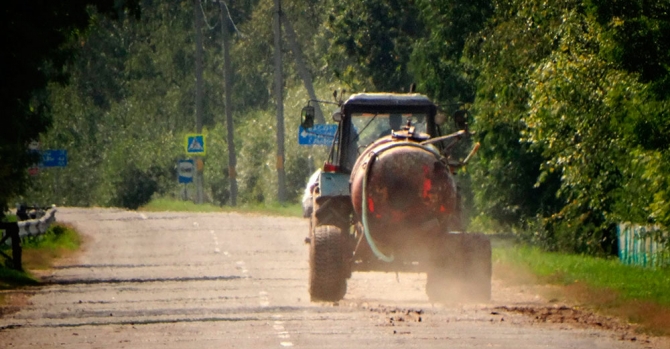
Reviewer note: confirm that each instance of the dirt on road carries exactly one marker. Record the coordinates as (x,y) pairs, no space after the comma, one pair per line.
(226,280)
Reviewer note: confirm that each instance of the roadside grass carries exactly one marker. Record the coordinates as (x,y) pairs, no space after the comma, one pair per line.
(636,294)
(275,208)
(10,218)
(10,278)
(39,253)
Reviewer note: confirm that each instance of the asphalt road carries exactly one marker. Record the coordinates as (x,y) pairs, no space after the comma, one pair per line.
(225,280)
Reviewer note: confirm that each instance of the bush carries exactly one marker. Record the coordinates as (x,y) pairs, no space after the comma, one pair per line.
(136,187)
(220,189)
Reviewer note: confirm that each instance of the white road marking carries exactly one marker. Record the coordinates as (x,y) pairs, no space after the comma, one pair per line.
(278,324)
(263,299)
(216,242)
(240,265)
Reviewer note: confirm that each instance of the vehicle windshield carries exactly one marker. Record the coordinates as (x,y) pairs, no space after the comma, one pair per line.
(367,127)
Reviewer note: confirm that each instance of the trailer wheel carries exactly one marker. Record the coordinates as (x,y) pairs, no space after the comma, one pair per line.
(460,269)
(478,256)
(328,273)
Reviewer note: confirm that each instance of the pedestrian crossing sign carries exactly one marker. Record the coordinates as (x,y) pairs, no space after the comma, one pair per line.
(195,144)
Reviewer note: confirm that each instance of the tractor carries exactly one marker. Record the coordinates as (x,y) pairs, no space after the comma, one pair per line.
(386,199)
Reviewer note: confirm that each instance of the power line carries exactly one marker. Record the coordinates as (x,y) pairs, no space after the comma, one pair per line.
(230,18)
(204,17)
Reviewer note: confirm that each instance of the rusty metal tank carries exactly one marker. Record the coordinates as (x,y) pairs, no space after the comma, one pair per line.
(408,190)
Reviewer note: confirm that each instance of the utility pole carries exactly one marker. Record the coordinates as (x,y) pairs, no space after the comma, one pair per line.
(279,95)
(198,96)
(228,87)
(302,68)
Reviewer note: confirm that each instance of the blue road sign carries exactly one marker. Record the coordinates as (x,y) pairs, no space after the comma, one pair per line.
(54,158)
(185,169)
(319,134)
(195,144)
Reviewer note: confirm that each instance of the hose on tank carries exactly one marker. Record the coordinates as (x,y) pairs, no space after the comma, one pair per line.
(366,230)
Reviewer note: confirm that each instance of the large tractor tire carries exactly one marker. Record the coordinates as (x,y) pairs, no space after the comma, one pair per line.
(461,269)
(335,212)
(328,272)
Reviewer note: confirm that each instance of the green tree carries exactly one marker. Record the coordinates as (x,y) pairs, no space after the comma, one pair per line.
(129,102)
(372,43)
(638,35)
(127,105)
(576,118)
(571,121)
(26,69)
(436,58)
(506,171)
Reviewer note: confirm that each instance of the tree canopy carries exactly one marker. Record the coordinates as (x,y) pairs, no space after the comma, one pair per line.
(568,98)
(33,53)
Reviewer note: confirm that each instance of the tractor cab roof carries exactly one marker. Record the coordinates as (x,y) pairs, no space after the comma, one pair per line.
(388,103)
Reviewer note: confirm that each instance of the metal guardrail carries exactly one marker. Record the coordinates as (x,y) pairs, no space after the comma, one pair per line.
(34,227)
(646,246)
(14,232)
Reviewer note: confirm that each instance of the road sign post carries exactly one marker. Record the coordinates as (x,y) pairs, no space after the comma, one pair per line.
(196,146)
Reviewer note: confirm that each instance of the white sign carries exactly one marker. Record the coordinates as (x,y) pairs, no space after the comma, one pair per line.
(34,145)
(185,170)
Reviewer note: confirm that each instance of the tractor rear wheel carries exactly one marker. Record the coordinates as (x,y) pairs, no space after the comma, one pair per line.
(328,272)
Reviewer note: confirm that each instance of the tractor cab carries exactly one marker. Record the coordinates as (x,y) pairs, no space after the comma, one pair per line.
(366,117)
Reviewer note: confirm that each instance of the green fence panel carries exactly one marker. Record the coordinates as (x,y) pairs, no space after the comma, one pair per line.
(646,246)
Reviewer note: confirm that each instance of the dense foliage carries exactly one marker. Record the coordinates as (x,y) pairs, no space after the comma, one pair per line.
(33,33)
(569,99)
(561,104)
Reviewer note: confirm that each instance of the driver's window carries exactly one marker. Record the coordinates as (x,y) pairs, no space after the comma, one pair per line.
(367,128)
